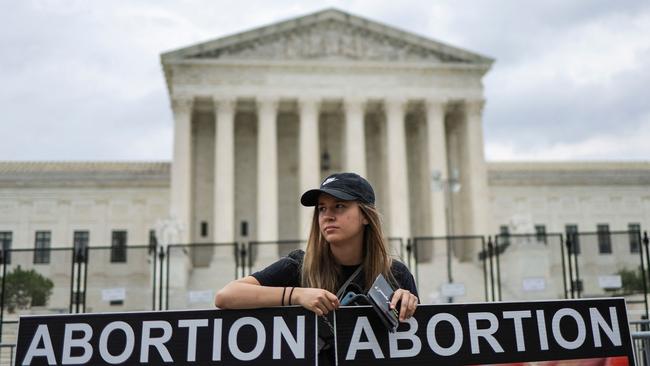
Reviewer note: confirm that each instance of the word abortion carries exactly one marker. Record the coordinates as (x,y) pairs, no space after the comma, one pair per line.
(489,333)
(598,323)
(224,339)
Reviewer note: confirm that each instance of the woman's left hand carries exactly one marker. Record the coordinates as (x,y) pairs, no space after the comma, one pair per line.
(408,306)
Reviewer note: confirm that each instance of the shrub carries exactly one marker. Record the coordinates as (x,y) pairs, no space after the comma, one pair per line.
(24,289)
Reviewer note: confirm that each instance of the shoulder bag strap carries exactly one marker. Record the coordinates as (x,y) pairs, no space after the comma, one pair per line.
(345,285)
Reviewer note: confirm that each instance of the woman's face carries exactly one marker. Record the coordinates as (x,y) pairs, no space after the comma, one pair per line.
(340,221)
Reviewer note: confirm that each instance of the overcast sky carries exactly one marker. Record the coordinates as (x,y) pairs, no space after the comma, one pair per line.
(81,80)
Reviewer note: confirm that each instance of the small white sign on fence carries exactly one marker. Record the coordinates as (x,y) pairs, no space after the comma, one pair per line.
(532,284)
(114,294)
(201,296)
(452,289)
(610,282)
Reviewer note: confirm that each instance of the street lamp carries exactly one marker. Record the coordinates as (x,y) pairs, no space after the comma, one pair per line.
(447,186)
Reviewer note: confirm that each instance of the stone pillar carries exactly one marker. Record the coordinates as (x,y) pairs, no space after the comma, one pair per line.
(267,174)
(475,167)
(437,151)
(181,174)
(309,151)
(224,171)
(398,194)
(355,137)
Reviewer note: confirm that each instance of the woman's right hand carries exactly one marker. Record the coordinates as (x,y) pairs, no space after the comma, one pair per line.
(317,300)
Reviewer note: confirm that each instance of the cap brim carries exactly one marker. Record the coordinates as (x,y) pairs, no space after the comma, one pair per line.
(310,198)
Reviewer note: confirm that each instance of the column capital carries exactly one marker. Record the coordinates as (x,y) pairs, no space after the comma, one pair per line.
(396,102)
(227,103)
(182,104)
(430,103)
(267,102)
(355,102)
(309,103)
(474,106)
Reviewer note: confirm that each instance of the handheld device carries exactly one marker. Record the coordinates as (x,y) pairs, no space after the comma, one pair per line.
(379,295)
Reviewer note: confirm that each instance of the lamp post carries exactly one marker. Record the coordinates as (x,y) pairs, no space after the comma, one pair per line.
(167,233)
(447,186)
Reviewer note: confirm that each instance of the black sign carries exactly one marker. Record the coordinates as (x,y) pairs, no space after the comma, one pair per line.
(462,334)
(490,333)
(277,336)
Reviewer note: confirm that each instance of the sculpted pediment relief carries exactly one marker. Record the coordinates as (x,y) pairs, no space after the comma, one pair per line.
(328,40)
(327,35)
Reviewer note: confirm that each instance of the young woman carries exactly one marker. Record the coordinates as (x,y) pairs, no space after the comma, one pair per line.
(345,241)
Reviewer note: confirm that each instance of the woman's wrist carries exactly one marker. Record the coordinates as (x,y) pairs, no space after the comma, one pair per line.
(295,296)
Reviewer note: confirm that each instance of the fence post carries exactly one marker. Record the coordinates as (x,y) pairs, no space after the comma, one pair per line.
(569,245)
(161,282)
(485,279)
(153,249)
(489,254)
(576,253)
(79,255)
(498,267)
(637,235)
(416,261)
(562,257)
(2,296)
(243,254)
(73,261)
(408,253)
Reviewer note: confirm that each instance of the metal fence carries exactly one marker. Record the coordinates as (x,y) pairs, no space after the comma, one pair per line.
(118,277)
(262,253)
(21,265)
(447,269)
(531,274)
(7,353)
(605,264)
(640,332)
(191,273)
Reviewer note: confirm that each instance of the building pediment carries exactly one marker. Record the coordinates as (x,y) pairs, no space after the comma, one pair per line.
(327,35)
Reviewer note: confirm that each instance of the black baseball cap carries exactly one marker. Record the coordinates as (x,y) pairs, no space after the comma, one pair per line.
(344,186)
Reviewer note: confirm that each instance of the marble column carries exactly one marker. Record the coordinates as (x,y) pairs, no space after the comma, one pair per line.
(309,155)
(224,171)
(398,193)
(437,151)
(267,174)
(355,137)
(475,166)
(181,174)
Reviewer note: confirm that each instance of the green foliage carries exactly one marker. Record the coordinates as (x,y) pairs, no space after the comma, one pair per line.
(24,289)
(632,282)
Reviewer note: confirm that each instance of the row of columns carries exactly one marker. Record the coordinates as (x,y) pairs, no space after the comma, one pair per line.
(309,163)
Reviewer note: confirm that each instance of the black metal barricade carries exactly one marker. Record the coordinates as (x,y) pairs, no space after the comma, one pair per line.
(535,267)
(605,263)
(7,353)
(192,273)
(117,278)
(262,253)
(34,281)
(448,269)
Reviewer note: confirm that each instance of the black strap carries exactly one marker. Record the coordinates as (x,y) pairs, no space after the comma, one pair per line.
(341,292)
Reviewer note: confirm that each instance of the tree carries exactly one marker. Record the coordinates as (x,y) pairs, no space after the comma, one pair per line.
(24,289)
(632,282)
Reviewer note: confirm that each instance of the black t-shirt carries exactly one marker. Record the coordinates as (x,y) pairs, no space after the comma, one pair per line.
(286,273)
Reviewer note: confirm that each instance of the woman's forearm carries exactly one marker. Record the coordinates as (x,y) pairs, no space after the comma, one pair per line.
(243,294)
(247,293)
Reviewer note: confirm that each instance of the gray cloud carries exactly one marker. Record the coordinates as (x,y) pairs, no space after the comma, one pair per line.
(82,80)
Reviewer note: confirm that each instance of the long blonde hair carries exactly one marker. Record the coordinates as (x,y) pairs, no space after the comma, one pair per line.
(319,268)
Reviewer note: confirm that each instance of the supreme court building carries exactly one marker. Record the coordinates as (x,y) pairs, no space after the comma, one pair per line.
(263,115)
